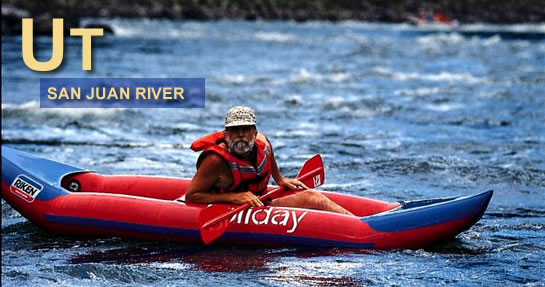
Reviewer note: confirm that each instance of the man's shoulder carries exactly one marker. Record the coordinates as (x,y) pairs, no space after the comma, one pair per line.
(213,158)
(262,137)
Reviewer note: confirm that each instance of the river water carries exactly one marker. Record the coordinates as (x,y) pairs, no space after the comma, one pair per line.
(397,112)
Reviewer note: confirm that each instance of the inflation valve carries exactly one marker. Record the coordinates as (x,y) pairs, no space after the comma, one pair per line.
(74,186)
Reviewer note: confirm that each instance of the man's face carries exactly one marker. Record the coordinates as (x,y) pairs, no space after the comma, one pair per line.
(240,139)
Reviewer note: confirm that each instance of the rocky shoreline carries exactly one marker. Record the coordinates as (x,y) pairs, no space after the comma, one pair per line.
(464,11)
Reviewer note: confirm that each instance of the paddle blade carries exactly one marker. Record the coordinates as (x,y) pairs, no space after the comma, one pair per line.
(311,165)
(210,232)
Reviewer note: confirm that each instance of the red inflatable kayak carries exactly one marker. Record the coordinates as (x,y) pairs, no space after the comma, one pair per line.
(69,200)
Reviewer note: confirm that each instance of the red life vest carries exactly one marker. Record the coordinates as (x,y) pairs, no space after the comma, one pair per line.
(245,176)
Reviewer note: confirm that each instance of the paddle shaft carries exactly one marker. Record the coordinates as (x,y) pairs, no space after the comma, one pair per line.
(262,198)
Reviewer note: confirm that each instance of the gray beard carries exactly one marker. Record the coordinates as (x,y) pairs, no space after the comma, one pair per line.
(240,146)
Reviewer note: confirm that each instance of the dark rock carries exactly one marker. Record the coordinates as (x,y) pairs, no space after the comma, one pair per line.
(43,24)
(11,19)
(196,13)
(251,16)
(465,11)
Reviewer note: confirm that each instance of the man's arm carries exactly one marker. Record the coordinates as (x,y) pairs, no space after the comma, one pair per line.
(275,171)
(208,174)
(288,183)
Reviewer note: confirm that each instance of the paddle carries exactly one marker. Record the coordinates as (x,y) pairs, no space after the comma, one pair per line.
(214,219)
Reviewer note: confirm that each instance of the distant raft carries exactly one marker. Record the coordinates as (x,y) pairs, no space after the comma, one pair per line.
(68,200)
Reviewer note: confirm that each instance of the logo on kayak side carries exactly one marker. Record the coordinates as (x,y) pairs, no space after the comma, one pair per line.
(269,215)
(25,188)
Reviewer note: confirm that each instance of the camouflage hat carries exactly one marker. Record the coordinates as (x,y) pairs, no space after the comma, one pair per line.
(239,116)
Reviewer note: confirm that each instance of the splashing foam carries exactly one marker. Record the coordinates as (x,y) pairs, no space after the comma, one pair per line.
(34,107)
(440,77)
(420,92)
(234,79)
(275,37)
(304,76)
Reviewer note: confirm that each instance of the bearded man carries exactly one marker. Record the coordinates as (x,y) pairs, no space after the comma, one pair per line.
(236,164)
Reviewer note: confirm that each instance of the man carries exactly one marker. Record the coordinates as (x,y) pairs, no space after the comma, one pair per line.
(236,165)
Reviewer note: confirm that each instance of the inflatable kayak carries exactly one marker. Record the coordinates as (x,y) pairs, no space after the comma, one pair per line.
(69,200)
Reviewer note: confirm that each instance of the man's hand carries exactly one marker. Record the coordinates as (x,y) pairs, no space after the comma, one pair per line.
(290,183)
(244,197)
